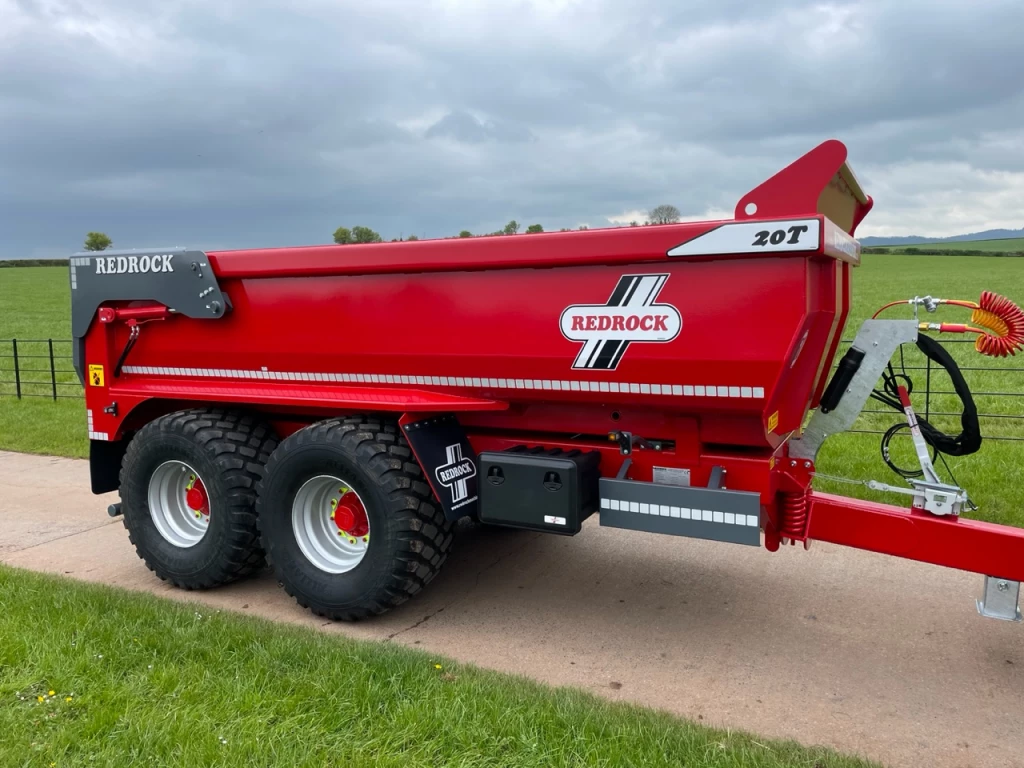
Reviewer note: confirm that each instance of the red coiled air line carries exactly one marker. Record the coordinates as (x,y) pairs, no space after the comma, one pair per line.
(1005,319)
(1002,323)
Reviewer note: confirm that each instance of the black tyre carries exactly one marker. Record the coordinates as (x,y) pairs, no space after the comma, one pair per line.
(348,523)
(188,495)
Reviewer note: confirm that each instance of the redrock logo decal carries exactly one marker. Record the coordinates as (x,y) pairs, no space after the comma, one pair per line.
(121,265)
(606,330)
(455,473)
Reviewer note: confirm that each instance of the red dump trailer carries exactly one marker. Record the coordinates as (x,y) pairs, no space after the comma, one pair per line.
(335,410)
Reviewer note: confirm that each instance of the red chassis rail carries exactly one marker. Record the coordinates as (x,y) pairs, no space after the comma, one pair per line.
(954,542)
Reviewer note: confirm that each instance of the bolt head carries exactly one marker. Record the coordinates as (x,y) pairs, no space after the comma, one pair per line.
(807,465)
(792,462)
(1002,586)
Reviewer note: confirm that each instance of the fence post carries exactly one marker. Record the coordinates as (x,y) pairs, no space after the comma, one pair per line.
(17,373)
(53,371)
(927,386)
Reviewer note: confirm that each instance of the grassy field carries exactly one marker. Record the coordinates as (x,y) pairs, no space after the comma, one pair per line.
(34,304)
(91,676)
(987,475)
(1004,245)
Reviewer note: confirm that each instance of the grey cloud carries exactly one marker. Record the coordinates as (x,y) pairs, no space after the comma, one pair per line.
(223,123)
(462,126)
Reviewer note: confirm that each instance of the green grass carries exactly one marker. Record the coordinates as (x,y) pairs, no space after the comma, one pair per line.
(1004,245)
(987,475)
(141,681)
(34,303)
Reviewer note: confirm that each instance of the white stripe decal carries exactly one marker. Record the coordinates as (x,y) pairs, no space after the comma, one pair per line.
(636,388)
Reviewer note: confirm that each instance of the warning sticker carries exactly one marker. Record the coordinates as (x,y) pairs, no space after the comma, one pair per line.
(95,375)
(773,421)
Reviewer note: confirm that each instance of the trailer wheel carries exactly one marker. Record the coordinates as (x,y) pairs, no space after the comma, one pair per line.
(188,495)
(349,525)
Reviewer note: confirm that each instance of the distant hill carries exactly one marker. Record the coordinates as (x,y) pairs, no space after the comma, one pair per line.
(1009,246)
(990,234)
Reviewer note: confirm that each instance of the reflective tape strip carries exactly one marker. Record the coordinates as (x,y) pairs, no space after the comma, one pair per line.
(75,263)
(684,513)
(98,436)
(558,385)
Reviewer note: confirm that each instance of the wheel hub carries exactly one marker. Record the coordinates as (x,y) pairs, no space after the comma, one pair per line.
(196,498)
(179,503)
(350,515)
(330,524)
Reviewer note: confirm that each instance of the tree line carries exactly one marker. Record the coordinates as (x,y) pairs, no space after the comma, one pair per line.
(662,214)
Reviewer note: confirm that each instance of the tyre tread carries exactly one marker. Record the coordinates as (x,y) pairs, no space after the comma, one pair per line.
(425,536)
(240,445)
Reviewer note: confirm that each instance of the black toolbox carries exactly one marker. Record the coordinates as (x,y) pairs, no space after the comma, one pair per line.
(540,489)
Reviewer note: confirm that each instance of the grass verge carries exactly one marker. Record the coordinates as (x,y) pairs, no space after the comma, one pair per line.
(91,676)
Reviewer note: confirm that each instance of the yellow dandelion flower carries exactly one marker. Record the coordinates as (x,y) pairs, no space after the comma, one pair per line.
(67,698)
(51,693)
(437,666)
(39,698)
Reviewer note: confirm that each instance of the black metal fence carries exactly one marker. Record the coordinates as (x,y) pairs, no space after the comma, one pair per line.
(43,368)
(994,388)
(37,368)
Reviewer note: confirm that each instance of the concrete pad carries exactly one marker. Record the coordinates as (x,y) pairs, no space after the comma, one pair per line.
(43,498)
(868,654)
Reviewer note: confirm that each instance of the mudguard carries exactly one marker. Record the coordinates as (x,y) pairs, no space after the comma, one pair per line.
(448,461)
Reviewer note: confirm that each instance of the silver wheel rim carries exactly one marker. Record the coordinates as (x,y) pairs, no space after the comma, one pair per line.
(174,519)
(324,544)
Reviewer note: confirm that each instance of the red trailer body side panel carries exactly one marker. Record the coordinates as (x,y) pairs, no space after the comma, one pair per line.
(483,338)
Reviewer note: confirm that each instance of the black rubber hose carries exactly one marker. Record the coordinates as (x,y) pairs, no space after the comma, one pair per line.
(841,379)
(969,440)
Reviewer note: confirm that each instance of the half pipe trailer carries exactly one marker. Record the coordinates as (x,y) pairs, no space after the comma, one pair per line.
(334,410)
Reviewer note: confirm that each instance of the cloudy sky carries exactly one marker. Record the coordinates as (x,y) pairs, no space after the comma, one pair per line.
(236,123)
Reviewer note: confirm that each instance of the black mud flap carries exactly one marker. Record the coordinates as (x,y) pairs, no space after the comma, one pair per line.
(447,459)
(105,464)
